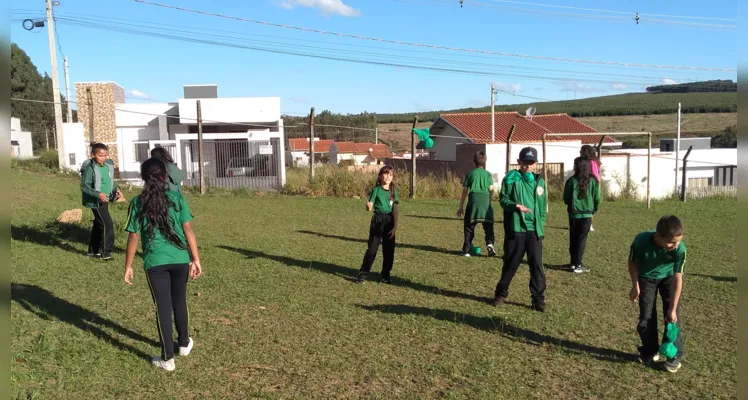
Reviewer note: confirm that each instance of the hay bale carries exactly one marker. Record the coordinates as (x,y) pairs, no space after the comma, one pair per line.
(70,216)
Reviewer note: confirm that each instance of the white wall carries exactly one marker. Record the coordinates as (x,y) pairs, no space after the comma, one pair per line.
(559,152)
(231,110)
(25,147)
(141,115)
(126,136)
(74,142)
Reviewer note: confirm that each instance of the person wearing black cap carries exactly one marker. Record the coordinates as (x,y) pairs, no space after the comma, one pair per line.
(523,198)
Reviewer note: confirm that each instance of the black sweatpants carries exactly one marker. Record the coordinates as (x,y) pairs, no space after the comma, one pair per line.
(168,285)
(579,228)
(470,234)
(379,232)
(515,247)
(647,326)
(102,232)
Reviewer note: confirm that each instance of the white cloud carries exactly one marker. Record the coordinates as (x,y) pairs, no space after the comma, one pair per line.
(668,81)
(619,86)
(140,95)
(326,7)
(300,99)
(574,86)
(511,87)
(475,103)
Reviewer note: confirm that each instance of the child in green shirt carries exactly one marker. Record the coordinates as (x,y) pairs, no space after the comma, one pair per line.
(582,197)
(170,257)
(98,188)
(656,263)
(478,186)
(383,227)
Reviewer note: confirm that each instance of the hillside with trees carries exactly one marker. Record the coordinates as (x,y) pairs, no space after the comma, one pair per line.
(27,83)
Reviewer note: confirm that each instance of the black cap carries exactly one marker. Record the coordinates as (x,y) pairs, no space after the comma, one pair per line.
(528,154)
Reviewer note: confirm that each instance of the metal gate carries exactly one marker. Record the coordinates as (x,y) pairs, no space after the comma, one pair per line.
(169,145)
(233,163)
(555,173)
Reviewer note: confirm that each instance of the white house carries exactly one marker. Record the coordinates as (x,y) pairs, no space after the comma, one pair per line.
(298,150)
(21,145)
(359,153)
(243,136)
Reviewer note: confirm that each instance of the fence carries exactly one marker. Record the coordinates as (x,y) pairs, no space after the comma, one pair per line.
(702,192)
(555,173)
(233,163)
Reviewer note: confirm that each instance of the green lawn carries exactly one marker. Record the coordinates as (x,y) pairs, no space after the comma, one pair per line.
(274,317)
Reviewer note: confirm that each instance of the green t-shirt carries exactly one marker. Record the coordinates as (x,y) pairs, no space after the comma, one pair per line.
(381,199)
(654,262)
(528,200)
(106,181)
(478,181)
(158,250)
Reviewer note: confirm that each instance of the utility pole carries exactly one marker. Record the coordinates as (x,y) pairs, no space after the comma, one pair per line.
(493,123)
(413,159)
(200,154)
(677,151)
(46,136)
(67,91)
(55,83)
(311,145)
(376,135)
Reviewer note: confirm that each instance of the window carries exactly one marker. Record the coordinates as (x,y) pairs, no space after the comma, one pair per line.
(699,182)
(141,151)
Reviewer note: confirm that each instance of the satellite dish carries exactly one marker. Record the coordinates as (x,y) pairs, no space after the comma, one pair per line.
(530,112)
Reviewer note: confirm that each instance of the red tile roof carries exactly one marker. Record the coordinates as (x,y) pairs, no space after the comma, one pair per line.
(302,144)
(376,150)
(346,147)
(477,127)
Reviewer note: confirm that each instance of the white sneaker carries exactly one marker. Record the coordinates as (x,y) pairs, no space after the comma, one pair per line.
(491,250)
(165,365)
(592,229)
(185,351)
(466,255)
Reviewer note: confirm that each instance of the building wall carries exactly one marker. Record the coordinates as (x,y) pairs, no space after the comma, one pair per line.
(128,136)
(104,96)
(25,145)
(74,143)
(445,147)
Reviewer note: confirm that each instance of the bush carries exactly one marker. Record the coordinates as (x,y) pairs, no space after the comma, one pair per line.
(46,162)
(50,159)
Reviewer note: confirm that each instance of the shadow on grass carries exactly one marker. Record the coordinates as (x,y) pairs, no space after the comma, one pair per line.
(433,249)
(717,278)
(441,218)
(500,326)
(347,273)
(55,235)
(47,306)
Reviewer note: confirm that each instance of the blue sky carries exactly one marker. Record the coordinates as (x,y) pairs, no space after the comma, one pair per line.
(157,68)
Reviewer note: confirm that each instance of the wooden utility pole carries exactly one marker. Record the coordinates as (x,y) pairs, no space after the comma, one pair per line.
(413,159)
(46,136)
(509,148)
(200,154)
(649,170)
(311,145)
(684,181)
(89,103)
(493,123)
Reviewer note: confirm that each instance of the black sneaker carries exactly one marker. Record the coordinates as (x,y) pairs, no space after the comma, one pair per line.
(673,365)
(538,306)
(580,269)
(361,278)
(491,250)
(386,280)
(651,359)
(93,255)
(497,301)
(106,257)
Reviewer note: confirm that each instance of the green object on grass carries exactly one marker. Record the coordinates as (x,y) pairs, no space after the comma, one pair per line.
(475,250)
(668,348)
(423,135)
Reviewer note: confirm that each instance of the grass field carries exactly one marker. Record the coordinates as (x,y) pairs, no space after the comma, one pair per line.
(398,134)
(274,317)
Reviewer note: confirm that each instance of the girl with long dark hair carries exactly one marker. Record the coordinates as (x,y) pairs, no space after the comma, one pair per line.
(170,256)
(174,174)
(383,200)
(98,188)
(582,197)
(589,153)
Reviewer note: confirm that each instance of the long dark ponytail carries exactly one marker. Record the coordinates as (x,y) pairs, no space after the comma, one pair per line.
(154,203)
(582,172)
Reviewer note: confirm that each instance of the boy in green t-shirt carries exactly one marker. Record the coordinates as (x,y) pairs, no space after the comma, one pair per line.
(479,186)
(656,263)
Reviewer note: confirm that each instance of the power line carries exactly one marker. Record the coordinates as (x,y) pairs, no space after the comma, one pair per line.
(433,46)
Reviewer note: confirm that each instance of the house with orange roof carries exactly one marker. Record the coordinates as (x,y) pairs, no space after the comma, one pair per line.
(359,153)
(297,153)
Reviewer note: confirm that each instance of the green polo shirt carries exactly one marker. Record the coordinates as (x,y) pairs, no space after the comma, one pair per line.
(381,199)
(106,180)
(527,196)
(157,250)
(478,181)
(654,262)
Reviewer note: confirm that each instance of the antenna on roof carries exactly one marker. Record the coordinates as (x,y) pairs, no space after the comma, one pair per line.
(530,112)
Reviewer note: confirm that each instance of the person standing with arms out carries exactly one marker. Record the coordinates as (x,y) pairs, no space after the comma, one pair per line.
(170,256)
(523,198)
(383,228)
(589,152)
(98,188)
(582,198)
(478,186)
(656,263)
(175,175)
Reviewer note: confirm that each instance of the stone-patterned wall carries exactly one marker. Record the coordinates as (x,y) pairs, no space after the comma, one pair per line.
(104,95)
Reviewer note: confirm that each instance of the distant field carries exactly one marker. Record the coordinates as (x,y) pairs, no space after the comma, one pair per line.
(398,136)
